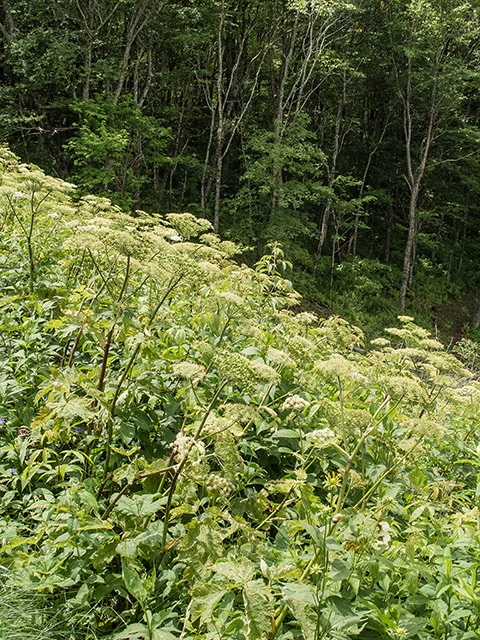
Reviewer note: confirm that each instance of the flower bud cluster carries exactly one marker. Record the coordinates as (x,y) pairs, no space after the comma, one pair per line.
(322,436)
(186,446)
(216,483)
(295,403)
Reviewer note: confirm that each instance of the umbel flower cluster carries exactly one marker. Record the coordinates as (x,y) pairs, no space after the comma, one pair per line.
(216,483)
(322,437)
(186,447)
(295,403)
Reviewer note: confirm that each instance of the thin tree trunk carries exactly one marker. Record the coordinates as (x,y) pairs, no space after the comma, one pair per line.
(388,238)
(332,174)
(220,132)
(476,317)
(137,23)
(8,30)
(362,187)
(414,178)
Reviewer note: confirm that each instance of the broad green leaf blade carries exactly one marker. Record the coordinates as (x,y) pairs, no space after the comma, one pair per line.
(258,608)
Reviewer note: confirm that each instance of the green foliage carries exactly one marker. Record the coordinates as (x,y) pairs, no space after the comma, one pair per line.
(106,150)
(183,456)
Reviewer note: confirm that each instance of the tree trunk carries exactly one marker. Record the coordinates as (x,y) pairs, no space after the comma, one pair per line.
(476,317)
(414,177)
(332,174)
(407,259)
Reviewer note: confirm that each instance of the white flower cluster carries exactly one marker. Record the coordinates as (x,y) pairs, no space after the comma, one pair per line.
(322,436)
(280,357)
(336,365)
(216,483)
(380,342)
(359,378)
(188,370)
(295,403)
(186,446)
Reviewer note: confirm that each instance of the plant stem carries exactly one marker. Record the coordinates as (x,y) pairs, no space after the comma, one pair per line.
(182,465)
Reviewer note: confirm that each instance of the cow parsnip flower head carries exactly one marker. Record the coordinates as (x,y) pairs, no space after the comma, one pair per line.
(339,333)
(449,364)
(215,483)
(251,330)
(301,348)
(323,437)
(380,342)
(188,225)
(230,301)
(238,412)
(424,427)
(188,370)
(336,365)
(295,403)
(187,447)
(265,373)
(211,239)
(305,318)
(430,343)
(411,447)
(279,357)
(216,424)
(411,334)
(409,352)
(357,420)
(359,379)
(403,387)
(234,366)
(471,392)
(212,271)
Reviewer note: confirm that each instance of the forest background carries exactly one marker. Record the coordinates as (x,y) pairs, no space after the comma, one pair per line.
(348,132)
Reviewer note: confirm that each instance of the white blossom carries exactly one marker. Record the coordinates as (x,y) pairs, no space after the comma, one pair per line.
(296,403)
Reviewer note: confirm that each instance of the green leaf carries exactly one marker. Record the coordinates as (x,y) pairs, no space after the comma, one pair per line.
(237,572)
(316,534)
(258,608)
(204,604)
(162,634)
(128,549)
(301,598)
(340,571)
(139,506)
(133,582)
(411,582)
(133,632)
(285,433)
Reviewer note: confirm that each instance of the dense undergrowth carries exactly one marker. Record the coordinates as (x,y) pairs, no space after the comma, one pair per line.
(182,457)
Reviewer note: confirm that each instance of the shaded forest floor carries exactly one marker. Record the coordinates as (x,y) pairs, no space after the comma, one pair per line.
(452,320)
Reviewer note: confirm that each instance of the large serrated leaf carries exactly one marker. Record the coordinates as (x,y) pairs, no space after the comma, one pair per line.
(237,572)
(204,605)
(140,506)
(258,608)
(128,549)
(301,599)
